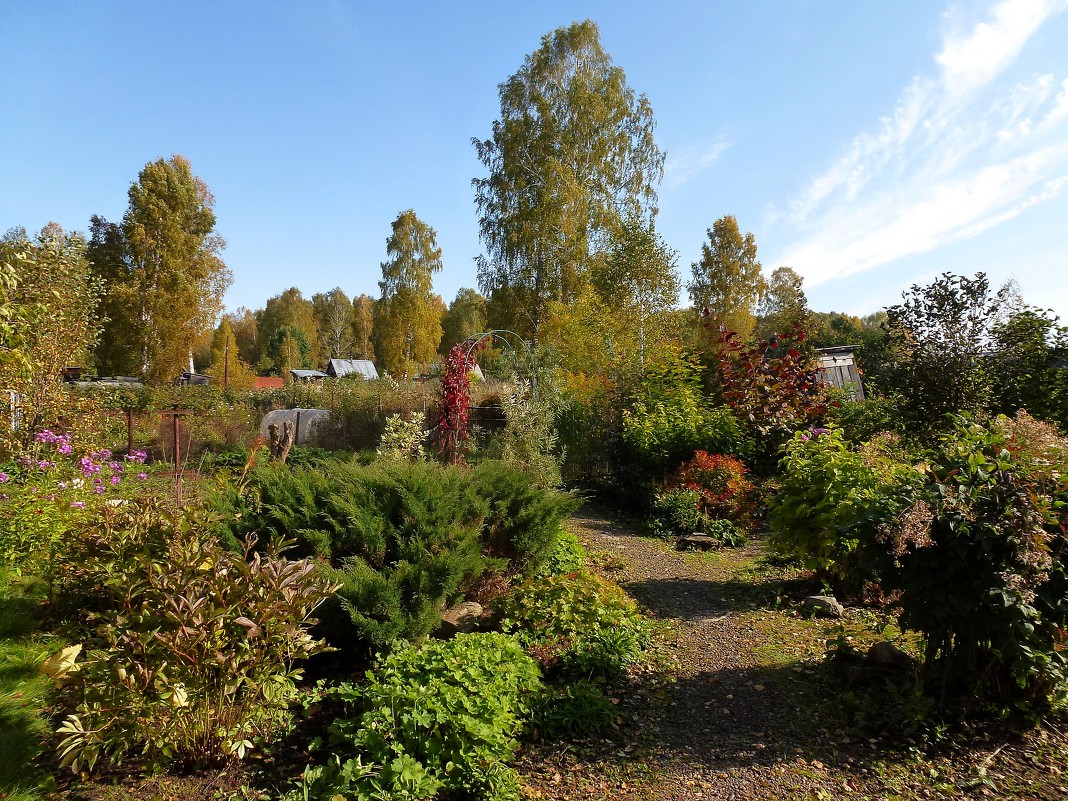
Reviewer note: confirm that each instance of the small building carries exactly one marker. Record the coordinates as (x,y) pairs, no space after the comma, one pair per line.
(308,376)
(838,367)
(339,368)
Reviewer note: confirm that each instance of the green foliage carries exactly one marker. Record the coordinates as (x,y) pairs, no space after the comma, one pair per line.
(441,719)
(529,440)
(980,563)
(24,689)
(863,420)
(937,336)
(1028,354)
(669,419)
(828,497)
(568,555)
(676,512)
(402,538)
(586,623)
(193,660)
(524,521)
(577,709)
(571,155)
(403,439)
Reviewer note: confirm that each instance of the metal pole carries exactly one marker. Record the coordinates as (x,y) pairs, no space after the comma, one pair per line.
(129,431)
(177,464)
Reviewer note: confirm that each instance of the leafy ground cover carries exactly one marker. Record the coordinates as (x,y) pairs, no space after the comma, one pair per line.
(749,707)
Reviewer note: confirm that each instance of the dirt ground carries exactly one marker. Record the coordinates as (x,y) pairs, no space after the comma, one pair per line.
(744,708)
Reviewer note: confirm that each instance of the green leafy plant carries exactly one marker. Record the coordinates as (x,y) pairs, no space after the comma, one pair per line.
(567,556)
(403,439)
(980,564)
(829,499)
(578,621)
(676,512)
(198,645)
(576,709)
(440,719)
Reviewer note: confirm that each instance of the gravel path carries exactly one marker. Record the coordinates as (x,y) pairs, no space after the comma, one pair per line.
(727,727)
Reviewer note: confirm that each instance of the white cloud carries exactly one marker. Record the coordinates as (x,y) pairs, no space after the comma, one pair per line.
(971,59)
(685,166)
(964,151)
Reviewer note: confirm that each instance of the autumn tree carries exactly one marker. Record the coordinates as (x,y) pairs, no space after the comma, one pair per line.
(246,334)
(639,284)
(227,368)
(407,321)
(290,309)
(727,279)
(464,317)
(783,306)
(333,316)
(363,327)
(571,156)
(51,278)
(163,277)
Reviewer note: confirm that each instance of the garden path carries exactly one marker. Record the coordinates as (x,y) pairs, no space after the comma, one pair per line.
(726,724)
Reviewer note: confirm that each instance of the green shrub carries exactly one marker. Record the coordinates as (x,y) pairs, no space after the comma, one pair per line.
(579,620)
(830,498)
(726,532)
(402,539)
(198,644)
(524,520)
(577,709)
(440,719)
(980,564)
(677,512)
(567,556)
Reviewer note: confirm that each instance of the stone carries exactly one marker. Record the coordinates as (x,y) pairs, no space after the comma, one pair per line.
(461,619)
(887,655)
(700,541)
(824,605)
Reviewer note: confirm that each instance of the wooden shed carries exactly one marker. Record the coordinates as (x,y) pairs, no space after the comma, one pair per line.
(838,366)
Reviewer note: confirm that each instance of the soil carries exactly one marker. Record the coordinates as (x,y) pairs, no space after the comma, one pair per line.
(744,706)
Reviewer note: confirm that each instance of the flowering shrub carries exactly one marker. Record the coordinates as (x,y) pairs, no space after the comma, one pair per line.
(49,488)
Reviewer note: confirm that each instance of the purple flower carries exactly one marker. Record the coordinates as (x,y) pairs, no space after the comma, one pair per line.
(4,477)
(116,466)
(142,476)
(65,448)
(62,485)
(77,505)
(116,479)
(137,456)
(99,490)
(50,497)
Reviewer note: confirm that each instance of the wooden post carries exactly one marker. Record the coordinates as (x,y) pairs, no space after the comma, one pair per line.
(129,431)
(174,413)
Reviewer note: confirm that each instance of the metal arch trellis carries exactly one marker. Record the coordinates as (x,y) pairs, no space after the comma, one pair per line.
(498,335)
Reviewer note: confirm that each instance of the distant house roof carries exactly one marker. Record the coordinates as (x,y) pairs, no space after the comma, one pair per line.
(308,375)
(268,382)
(193,379)
(342,367)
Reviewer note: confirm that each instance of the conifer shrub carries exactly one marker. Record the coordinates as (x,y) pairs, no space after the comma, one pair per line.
(402,539)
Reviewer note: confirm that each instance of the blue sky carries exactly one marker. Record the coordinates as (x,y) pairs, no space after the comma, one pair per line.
(868,145)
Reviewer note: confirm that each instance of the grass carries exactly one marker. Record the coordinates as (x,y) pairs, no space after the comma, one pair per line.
(24,731)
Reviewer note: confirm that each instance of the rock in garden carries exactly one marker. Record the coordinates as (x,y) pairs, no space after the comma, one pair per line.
(461,619)
(700,541)
(824,605)
(888,655)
